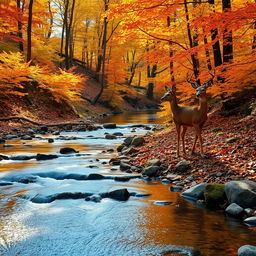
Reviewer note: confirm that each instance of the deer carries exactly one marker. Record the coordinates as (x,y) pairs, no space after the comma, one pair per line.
(187,116)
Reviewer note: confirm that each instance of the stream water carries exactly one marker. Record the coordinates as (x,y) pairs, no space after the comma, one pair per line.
(139,226)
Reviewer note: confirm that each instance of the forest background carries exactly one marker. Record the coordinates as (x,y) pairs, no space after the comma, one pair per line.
(116,52)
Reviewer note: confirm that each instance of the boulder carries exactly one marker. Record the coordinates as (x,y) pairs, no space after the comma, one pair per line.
(182,166)
(153,162)
(151,171)
(119,194)
(110,137)
(247,250)
(195,193)
(128,141)
(124,166)
(137,141)
(68,150)
(242,193)
(40,157)
(234,209)
(251,221)
(109,126)
(214,195)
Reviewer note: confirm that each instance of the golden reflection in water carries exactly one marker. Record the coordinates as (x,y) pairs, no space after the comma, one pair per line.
(184,224)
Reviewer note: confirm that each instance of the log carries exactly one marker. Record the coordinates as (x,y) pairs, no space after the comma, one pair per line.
(86,122)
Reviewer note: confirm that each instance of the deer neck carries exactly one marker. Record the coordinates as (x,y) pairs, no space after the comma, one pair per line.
(174,105)
(203,104)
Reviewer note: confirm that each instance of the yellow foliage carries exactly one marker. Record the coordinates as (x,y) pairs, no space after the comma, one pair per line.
(14,71)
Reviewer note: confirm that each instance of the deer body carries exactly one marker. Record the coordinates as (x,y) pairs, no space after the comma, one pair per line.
(186,116)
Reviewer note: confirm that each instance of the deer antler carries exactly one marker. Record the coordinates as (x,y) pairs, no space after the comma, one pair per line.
(194,84)
(209,82)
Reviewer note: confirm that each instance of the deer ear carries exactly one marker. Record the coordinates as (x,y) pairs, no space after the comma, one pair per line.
(167,88)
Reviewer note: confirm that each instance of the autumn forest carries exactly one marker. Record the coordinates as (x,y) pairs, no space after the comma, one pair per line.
(141,114)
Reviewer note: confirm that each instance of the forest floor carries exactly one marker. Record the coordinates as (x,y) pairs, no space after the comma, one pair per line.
(229,145)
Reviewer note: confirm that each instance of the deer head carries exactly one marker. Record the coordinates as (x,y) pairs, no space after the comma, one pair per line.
(200,89)
(169,95)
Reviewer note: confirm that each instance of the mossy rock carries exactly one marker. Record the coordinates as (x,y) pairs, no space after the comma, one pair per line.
(214,195)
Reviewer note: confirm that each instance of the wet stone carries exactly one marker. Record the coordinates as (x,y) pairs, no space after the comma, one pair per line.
(68,150)
(40,157)
(50,140)
(176,188)
(162,203)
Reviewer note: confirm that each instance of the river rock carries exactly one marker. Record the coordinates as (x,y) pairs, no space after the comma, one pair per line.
(214,195)
(114,161)
(176,188)
(127,141)
(249,212)
(43,128)
(151,171)
(95,176)
(242,193)
(130,151)
(137,141)
(182,166)
(2,141)
(4,157)
(40,157)
(234,209)
(109,126)
(119,194)
(68,150)
(122,178)
(195,193)
(118,134)
(5,184)
(26,137)
(250,221)
(247,250)
(124,166)
(154,162)
(21,157)
(110,137)
(94,198)
(50,140)
(120,147)
(7,145)
(11,136)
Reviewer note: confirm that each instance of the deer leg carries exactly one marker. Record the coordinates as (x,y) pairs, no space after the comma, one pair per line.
(198,132)
(193,149)
(183,138)
(178,139)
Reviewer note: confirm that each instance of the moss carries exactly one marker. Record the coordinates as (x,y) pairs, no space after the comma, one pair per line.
(214,195)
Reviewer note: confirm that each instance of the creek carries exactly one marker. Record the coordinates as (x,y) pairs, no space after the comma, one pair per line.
(75,227)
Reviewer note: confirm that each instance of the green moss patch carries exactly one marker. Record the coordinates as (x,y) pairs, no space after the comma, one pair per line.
(214,195)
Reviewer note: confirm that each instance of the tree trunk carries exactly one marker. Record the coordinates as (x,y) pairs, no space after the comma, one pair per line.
(21,47)
(254,38)
(195,61)
(151,75)
(29,30)
(51,20)
(171,64)
(103,48)
(227,36)
(207,55)
(216,46)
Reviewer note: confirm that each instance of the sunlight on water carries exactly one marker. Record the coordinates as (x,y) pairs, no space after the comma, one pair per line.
(71,227)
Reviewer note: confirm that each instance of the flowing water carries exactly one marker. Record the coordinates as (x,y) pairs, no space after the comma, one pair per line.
(139,226)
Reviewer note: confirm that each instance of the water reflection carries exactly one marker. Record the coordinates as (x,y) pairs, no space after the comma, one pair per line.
(143,117)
